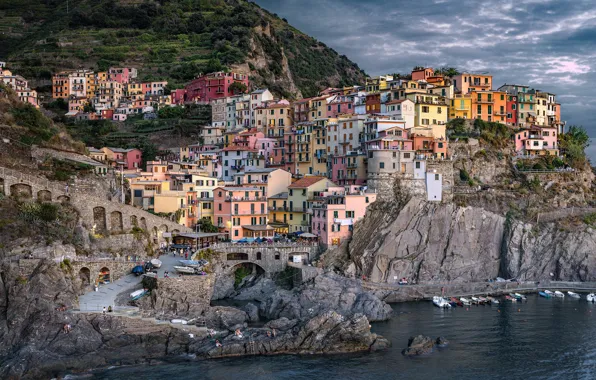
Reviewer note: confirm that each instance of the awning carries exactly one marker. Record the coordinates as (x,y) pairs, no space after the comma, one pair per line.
(308,235)
(258,228)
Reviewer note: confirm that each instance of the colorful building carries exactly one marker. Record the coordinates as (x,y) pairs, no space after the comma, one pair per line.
(241,212)
(211,86)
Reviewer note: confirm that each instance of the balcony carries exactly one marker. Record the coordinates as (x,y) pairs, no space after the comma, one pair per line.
(344,222)
(237,167)
(244,199)
(500,113)
(304,159)
(248,212)
(278,208)
(352,165)
(305,223)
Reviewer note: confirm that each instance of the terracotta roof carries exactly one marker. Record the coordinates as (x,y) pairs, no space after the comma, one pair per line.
(235,147)
(397,101)
(305,182)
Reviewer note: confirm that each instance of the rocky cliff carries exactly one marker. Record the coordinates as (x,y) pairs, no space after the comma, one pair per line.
(439,242)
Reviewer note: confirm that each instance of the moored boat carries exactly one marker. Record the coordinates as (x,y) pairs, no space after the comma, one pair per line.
(456,301)
(186,270)
(493,301)
(482,300)
(475,300)
(559,294)
(549,292)
(180,321)
(512,299)
(573,295)
(465,301)
(591,297)
(520,297)
(156,263)
(441,302)
(137,294)
(544,294)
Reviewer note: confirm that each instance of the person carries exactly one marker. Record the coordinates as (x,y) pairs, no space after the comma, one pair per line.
(166,274)
(104,310)
(65,328)
(217,343)
(211,333)
(186,256)
(66,188)
(238,333)
(269,334)
(274,333)
(110,309)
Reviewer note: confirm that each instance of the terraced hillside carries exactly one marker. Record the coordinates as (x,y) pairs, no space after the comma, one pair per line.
(169,39)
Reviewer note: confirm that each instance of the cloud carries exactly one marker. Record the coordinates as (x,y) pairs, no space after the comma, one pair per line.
(548,44)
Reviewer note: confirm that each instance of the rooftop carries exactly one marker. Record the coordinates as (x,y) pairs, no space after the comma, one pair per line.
(305,182)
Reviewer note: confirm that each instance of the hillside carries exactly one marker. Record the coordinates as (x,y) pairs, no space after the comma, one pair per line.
(168,39)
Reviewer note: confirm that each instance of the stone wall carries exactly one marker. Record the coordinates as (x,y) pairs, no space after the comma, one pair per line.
(86,271)
(98,215)
(181,296)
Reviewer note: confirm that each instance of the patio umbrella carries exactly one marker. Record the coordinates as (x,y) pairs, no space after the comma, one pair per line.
(308,235)
(243,240)
(298,233)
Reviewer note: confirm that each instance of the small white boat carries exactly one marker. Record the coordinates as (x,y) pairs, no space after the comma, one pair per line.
(441,302)
(483,300)
(151,274)
(549,292)
(591,297)
(465,301)
(137,294)
(475,300)
(521,296)
(559,294)
(493,301)
(156,263)
(179,321)
(573,295)
(186,270)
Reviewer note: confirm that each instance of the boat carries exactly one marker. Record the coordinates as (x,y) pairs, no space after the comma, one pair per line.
(573,295)
(493,301)
(544,294)
(180,321)
(185,270)
(456,301)
(151,274)
(512,299)
(441,302)
(138,270)
(475,300)
(465,301)
(549,292)
(591,297)
(559,294)
(137,294)
(156,263)
(483,300)
(521,297)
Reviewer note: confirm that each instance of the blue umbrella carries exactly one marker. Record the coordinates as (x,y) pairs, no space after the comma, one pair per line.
(298,232)
(243,240)
(138,269)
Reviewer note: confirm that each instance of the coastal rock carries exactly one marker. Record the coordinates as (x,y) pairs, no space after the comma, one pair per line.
(223,317)
(441,242)
(419,345)
(258,290)
(327,291)
(282,324)
(441,341)
(252,311)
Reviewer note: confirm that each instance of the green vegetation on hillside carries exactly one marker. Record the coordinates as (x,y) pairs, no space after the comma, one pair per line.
(169,39)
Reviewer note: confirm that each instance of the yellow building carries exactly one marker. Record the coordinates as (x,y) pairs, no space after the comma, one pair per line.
(299,195)
(303,156)
(272,116)
(377,83)
(319,147)
(429,109)
(460,107)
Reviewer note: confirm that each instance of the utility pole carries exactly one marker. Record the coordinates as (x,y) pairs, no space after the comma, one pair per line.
(122,183)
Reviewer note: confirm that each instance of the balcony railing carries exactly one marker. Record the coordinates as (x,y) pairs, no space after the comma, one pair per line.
(304,223)
(249,212)
(352,165)
(245,199)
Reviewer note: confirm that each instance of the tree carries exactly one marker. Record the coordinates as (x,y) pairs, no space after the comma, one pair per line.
(149,150)
(574,143)
(206,226)
(88,107)
(238,88)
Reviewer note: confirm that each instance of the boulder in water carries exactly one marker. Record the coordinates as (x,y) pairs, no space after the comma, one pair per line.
(441,341)
(419,345)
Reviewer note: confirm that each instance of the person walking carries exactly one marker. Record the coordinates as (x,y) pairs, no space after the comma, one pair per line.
(104,310)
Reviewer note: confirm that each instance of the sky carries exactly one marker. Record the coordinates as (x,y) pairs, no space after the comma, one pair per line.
(547,44)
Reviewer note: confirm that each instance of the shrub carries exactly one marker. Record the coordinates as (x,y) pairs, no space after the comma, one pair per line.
(464,175)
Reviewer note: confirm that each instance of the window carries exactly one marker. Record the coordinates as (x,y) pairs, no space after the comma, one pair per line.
(479,110)
(425,109)
(406,155)
(382,165)
(235,232)
(417,165)
(479,97)
(437,177)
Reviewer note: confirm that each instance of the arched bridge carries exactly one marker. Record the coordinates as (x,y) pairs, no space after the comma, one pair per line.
(101,215)
(271,257)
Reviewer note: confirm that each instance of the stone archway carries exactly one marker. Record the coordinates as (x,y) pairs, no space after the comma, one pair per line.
(235,256)
(116,221)
(242,270)
(163,228)
(21,190)
(143,223)
(176,231)
(85,276)
(134,221)
(259,256)
(104,276)
(63,198)
(99,219)
(44,196)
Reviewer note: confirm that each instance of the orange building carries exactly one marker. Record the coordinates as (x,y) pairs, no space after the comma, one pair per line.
(489,105)
(467,82)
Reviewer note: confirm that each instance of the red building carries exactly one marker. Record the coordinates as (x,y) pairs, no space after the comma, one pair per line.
(121,74)
(511,110)
(373,103)
(178,96)
(213,86)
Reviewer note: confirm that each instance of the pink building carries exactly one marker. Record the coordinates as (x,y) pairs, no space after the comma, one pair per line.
(129,158)
(121,74)
(336,210)
(340,104)
(241,212)
(537,140)
(178,96)
(338,168)
(214,86)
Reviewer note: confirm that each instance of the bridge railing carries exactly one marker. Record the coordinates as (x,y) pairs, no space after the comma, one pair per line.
(263,245)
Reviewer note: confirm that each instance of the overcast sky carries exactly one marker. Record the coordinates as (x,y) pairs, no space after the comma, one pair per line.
(547,44)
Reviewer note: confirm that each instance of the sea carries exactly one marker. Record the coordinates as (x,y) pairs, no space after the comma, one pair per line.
(537,339)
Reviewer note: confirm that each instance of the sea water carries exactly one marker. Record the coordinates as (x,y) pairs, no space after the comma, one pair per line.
(538,339)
